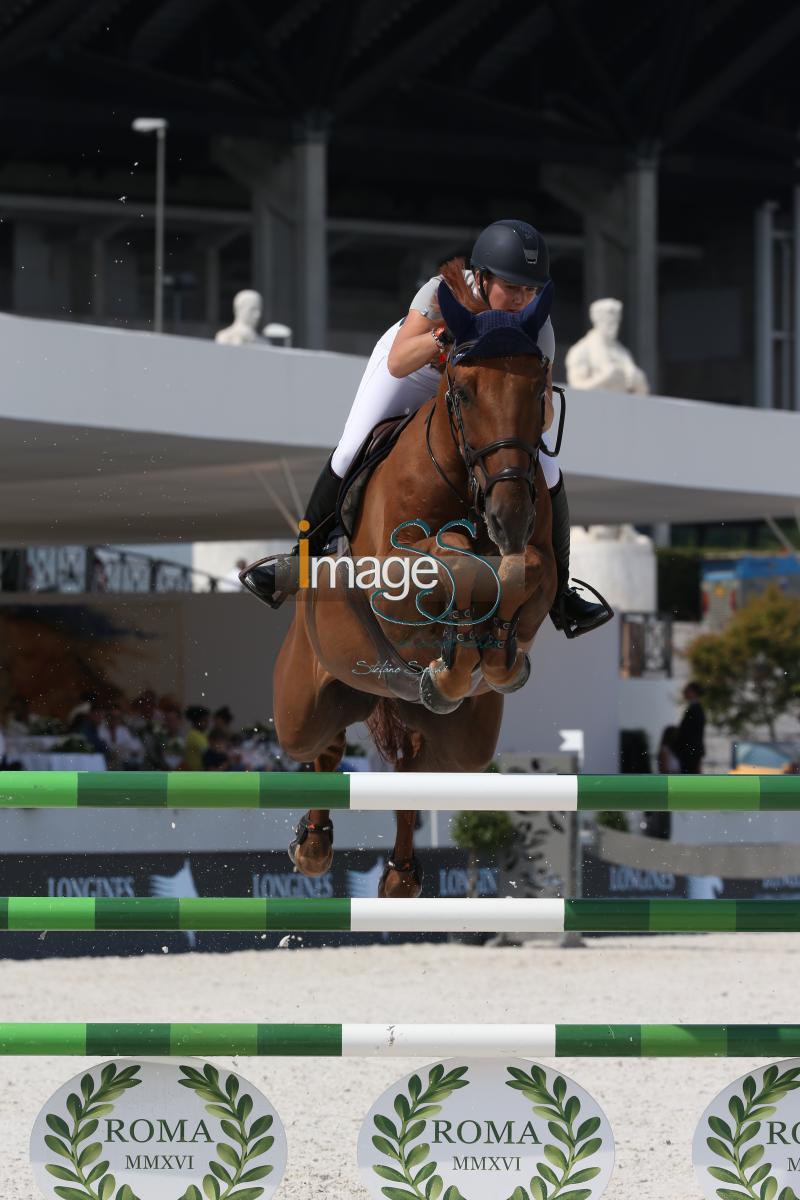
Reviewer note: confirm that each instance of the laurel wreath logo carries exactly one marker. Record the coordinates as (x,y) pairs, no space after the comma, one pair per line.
(558,1177)
(230,1179)
(747,1177)
(412,1176)
(88,1179)
(420,1182)
(225,1181)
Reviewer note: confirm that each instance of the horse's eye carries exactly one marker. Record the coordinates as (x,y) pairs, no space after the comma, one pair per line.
(463,397)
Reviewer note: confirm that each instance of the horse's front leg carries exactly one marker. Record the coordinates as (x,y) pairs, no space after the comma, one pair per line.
(504,662)
(447,680)
(311,851)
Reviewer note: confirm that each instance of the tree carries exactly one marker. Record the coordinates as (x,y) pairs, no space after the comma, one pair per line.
(480,833)
(751,670)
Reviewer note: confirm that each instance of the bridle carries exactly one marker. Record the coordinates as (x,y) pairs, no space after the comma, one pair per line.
(472,457)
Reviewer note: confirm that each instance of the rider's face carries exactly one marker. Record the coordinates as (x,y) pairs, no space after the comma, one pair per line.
(508,297)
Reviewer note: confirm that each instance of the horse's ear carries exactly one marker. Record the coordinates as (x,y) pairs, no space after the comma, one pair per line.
(457,318)
(535,314)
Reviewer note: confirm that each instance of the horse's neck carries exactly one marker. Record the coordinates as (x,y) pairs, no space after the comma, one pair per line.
(432,439)
(407,485)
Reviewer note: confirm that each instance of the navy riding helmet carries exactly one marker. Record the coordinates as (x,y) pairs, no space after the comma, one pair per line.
(514,251)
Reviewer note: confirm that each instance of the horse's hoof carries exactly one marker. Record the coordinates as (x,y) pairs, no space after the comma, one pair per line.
(505,689)
(432,698)
(401,880)
(311,851)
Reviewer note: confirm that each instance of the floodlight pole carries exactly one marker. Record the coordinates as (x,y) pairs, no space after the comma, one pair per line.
(158,282)
(158,126)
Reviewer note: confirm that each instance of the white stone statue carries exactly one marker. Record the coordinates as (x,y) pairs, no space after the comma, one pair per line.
(278,334)
(620,562)
(247,308)
(599,360)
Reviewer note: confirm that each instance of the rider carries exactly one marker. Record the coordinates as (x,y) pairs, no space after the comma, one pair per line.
(510,264)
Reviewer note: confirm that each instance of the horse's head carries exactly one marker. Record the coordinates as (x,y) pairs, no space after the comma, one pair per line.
(496,381)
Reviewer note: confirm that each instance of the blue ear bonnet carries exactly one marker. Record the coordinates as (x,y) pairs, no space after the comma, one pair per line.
(494,334)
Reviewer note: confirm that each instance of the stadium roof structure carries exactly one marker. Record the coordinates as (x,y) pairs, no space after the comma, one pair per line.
(711,87)
(323,152)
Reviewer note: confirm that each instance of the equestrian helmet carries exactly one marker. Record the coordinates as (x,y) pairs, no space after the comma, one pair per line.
(514,251)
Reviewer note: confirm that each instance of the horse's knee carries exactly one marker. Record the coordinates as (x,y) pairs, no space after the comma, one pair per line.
(476,758)
(476,751)
(296,742)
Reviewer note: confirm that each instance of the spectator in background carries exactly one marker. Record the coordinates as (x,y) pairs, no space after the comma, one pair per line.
(146,720)
(221,721)
(125,748)
(144,712)
(92,727)
(216,757)
(169,739)
(18,722)
(691,748)
(197,739)
(659,824)
(5,763)
(80,710)
(669,762)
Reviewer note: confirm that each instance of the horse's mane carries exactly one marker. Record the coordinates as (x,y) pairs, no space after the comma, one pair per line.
(452,272)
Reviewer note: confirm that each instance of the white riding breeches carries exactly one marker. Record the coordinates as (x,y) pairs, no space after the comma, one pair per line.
(380,396)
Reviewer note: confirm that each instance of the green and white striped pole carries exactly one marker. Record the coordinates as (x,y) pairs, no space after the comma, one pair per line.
(401,916)
(386,791)
(403,1041)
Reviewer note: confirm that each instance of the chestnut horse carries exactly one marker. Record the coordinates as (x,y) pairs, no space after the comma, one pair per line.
(428,673)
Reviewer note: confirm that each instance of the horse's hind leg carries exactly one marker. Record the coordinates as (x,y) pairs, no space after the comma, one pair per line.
(402,876)
(461,741)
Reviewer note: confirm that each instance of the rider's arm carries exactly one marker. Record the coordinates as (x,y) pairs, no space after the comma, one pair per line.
(413,346)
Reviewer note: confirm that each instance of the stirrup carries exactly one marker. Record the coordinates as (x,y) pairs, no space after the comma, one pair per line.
(279,593)
(573,630)
(303,829)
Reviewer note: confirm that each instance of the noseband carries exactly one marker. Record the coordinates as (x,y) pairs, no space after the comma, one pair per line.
(473,457)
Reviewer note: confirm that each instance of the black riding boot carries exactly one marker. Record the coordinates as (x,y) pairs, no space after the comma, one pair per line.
(273,579)
(571,612)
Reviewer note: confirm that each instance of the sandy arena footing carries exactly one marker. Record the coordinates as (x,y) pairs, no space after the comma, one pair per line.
(653,1105)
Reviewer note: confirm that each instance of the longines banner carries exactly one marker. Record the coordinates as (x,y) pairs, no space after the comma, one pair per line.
(748,1141)
(617,881)
(152,1129)
(496,1129)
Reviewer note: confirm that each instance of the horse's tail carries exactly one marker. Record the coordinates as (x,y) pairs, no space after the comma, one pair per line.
(390,734)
